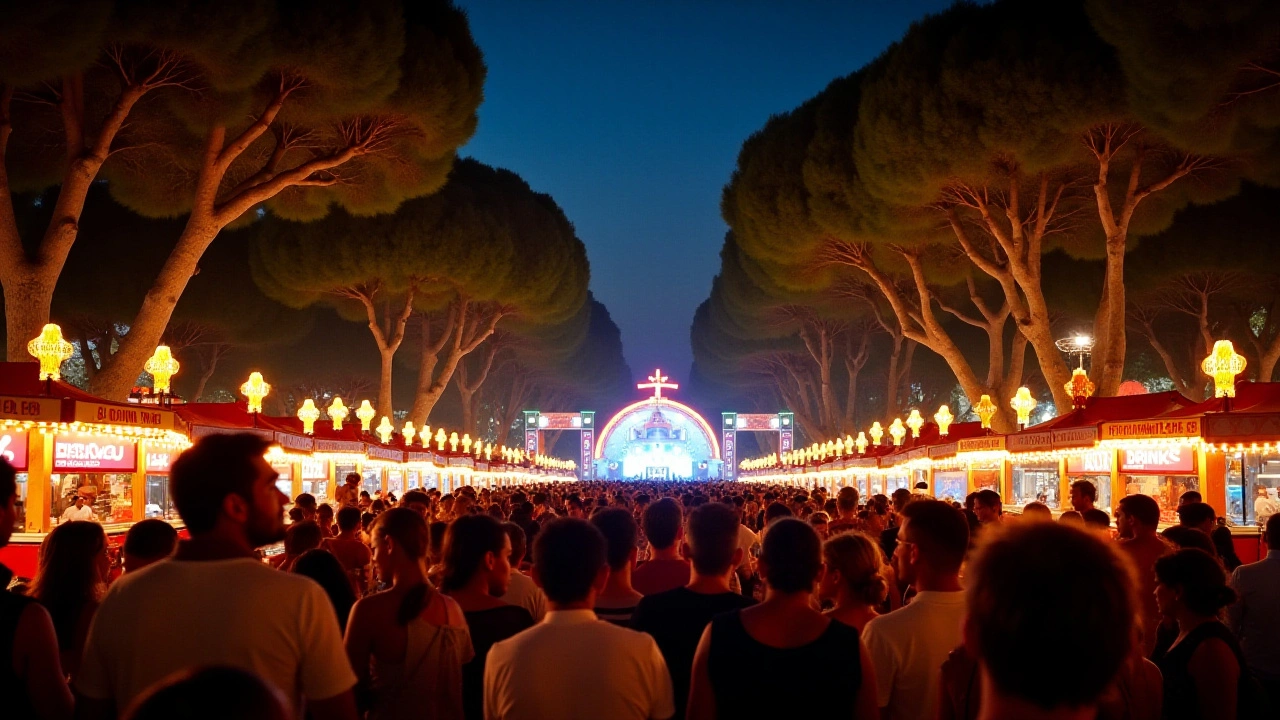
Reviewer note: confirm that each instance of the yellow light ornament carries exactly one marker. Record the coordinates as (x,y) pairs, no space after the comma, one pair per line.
(1223,364)
(488,452)
(308,414)
(365,413)
(453,442)
(255,389)
(51,350)
(466,443)
(441,439)
(985,410)
(409,432)
(385,430)
(897,431)
(1022,404)
(944,419)
(162,367)
(877,433)
(915,422)
(861,443)
(839,447)
(337,412)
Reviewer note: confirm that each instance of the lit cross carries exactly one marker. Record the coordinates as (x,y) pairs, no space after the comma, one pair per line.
(657,381)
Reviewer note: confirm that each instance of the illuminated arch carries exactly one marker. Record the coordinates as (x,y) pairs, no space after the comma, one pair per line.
(706,428)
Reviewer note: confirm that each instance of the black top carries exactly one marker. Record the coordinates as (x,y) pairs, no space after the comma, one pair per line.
(831,662)
(676,619)
(1181,701)
(487,627)
(13,689)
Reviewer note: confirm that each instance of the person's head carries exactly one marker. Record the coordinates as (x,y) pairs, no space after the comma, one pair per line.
(377,507)
(399,538)
(71,571)
(791,556)
(417,501)
(855,565)
(847,501)
(1271,532)
(1190,497)
(211,693)
(435,536)
(1097,520)
(301,537)
(711,539)
(1187,537)
(1191,582)
(620,534)
(932,539)
(307,502)
(900,498)
(970,500)
(1071,517)
(1083,494)
(353,479)
(1036,511)
(1062,572)
(348,519)
(519,542)
(8,501)
(148,541)
(327,571)
(662,523)
(569,561)
(987,506)
(774,511)
(1198,515)
(223,484)
(476,545)
(324,515)
(819,521)
(1137,515)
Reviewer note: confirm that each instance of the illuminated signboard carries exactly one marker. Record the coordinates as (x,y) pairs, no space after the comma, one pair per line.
(33,409)
(13,447)
(77,452)
(158,462)
(1172,459)
(1098,461)
(124,415)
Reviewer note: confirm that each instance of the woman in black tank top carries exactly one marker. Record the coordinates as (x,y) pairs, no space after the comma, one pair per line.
(799,647)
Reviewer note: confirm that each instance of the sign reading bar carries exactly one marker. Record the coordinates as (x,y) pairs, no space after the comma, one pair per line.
(1183,427)
(1174,459)
(978,444)
(74,452)
(158,461)
(138,416)
(1098,461)
(33,409)
(13,447)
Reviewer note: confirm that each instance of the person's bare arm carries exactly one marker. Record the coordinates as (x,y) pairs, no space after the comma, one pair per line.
(1216,674)
(338,707)
(702,700)
(35,645)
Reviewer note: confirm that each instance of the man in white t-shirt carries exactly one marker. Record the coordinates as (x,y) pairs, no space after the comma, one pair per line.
(215,603)
(81,510)
(572,665)
(908,646)
(522,591)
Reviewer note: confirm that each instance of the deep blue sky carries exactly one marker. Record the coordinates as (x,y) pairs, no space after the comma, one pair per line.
(631,115)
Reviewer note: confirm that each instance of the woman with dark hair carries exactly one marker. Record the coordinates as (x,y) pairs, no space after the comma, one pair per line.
(324,568)
(853,578)
(800,646)
(477,572)
(71,577)
(1202,669)
(407,644)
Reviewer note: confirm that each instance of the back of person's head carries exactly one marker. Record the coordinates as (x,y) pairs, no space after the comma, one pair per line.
(1272,532)
(620,534)
(1201,579)
(1036,511)
(900,498)
(467,541)
(352,477)
(988,498)
(305,500)
(1141,508)
(568,555)
(1026,572)
(860,564)
(324,511)
(1096,518)
(210,693)
(69,574)
(348,518)
(774,511)
(1086,488)
(791,556)
(327,571)
(1188,537)
(712,536)
(661,522)
(215,467)
(405,528)
(1190,496)
(435,536)
(1195,514)
(303,536)
(519,542)
(847,499)
(415,497)
(150,539)
(1071,517)
(940,531)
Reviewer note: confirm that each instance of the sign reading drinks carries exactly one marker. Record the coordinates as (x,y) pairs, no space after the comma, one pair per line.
(1183,427)
(76,452)
(1172,459)
(124,415)
(13,447)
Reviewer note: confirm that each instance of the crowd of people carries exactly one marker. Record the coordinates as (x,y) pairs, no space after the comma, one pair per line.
(634,600)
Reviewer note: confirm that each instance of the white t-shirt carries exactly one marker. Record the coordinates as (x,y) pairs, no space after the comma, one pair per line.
(746,538)
(907,648)
(84,512)
(180,614)
(574,666)
(524,592)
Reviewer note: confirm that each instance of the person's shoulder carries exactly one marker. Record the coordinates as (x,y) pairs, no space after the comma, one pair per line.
(662,600)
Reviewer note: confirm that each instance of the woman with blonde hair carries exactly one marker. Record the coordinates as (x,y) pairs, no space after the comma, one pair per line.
(71,577)
(853,578)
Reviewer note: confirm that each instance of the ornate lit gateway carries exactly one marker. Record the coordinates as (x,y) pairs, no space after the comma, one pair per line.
(657,438)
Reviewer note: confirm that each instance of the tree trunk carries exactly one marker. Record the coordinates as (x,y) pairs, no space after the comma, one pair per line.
(1110,343)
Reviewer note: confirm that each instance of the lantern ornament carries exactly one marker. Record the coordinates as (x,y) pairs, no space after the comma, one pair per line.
(985,410)
(162,367)
(488,452)
(1022,404)
(425,436)
(1223,364)
(915,422)
(255,389)
(1080,387)
(51,350)
(453,442)
(466,443)
(861,443)
(441,439)
(337,412)
(366,413)
(385,430)
(839,447)
(944,418)
(409,432)
(897,431)
(309,414)
(877,433)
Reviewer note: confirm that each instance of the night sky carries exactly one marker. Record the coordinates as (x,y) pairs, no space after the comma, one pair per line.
(631,115)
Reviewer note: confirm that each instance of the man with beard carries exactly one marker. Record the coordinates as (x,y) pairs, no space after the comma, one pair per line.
(214,603)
